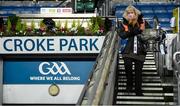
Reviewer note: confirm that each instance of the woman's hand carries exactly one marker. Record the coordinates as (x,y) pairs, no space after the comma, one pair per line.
(137,31)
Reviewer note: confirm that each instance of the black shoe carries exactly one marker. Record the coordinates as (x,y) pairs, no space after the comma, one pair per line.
(129,89)
(139,93)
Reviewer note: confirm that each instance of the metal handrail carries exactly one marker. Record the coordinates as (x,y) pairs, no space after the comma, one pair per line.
(104,74)
(93,90)
(95,68)
(177,64)
(177,76)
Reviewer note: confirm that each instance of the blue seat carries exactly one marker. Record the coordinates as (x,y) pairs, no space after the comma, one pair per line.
(26,12)
(170,8)
(165,19)
(162,10)
(148,15)
(31,9)
(163,15)
(20,9)
(166,25)
(145,7)
(159,9)
(119,14)
(6,15)
(121,7)
(5,8)
(11,9)
(35,12)
(147,11)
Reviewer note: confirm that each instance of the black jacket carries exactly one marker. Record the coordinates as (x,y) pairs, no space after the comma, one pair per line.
(132,31)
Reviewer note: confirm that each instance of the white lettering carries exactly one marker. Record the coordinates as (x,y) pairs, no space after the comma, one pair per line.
(57,78)
(54,68)
(37,78)
(71,78)
(49,78)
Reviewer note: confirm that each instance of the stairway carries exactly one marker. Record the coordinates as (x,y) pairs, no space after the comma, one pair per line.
(155,92)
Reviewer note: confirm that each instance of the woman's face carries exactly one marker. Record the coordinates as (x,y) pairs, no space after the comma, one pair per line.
(131,15)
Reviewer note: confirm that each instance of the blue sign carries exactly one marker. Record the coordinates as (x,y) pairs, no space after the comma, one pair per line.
(46,72)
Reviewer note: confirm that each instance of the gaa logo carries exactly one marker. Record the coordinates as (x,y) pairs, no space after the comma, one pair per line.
(54,68)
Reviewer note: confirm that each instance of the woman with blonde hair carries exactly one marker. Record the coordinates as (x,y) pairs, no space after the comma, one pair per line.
(134,50)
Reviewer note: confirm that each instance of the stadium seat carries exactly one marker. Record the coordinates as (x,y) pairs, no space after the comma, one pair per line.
(89,6)
(80,6)
(120,7)
(119,14)
(162,10)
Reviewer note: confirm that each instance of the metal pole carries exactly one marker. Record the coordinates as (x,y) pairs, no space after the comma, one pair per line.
(100,9)
(179,22)
(178,92)
(103,9)
(107,7)
(1,81)
(75,3)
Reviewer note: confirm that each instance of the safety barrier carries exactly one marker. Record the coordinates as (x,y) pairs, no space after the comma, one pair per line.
(157,45)
(100,86)
(176,60)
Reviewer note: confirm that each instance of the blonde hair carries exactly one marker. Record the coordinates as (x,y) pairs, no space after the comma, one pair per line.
(136,12)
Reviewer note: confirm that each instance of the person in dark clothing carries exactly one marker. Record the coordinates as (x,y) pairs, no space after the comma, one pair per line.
(134,51)
(1,24)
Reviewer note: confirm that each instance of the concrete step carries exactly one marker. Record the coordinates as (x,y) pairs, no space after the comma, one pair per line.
(143,73)
(147,57)
(145,80)
(145,63)
(140,98)
(150,55)
(144,68)
(143,84)
(149,52)
(146,60)
(137,103)
(144,77)
(145,88)
(123,83)
(147,94)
